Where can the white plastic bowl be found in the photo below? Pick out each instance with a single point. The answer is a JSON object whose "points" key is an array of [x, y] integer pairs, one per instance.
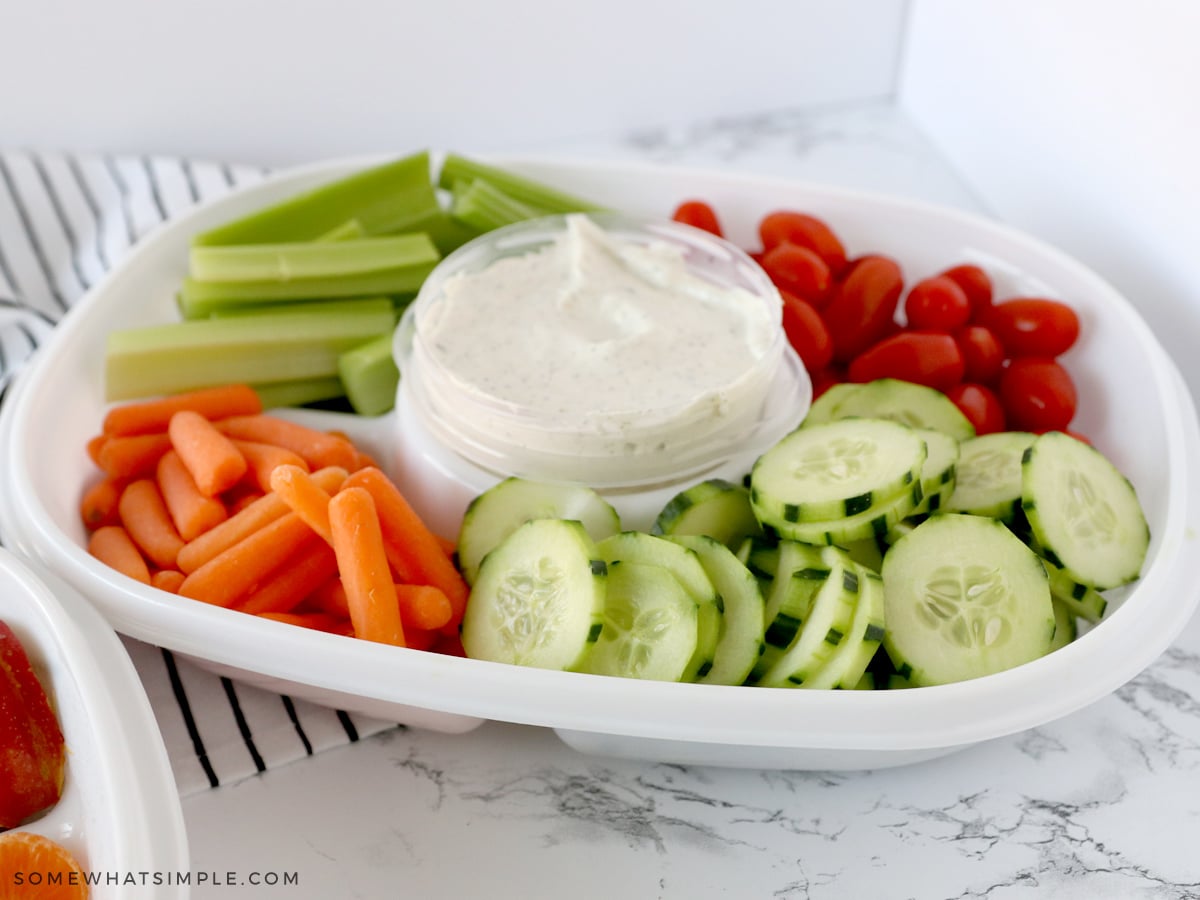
{"points": [[1133, 406], [119, 813]]}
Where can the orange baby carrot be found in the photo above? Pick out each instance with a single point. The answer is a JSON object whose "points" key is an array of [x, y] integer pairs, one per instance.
{"points": [[448, 546], [145, 518], [98, 506], [422, 606], [317, 621], [312, 563], [112, 545], [362, 562], [192, 512], [167, 580], [235, 573], [411, 547], [304, 497], [215, 464], [263, 458], [93, 447], [328, 597], [241, 525], [318, 448], [419, 639], [154, 415], [132, 457]]}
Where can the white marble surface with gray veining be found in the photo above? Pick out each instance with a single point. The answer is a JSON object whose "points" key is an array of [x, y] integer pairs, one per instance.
{"points": [[1102, 804]]}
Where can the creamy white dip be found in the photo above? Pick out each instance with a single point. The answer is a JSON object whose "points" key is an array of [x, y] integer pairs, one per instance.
{"points": [[602, 345]]}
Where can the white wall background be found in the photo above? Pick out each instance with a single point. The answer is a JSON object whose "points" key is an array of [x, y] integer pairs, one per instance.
{"points": [[280, 81]]}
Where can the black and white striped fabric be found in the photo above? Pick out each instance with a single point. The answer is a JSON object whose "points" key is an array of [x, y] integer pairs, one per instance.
{"points": [[65, 220]]}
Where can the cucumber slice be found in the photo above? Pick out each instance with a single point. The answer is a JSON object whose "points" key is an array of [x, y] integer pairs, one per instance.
{"points": [[1083, 601], [1065, 628], [964, 598], [910, 404], [835, 470], [988, 479], [875, 524], [1083, 513], [848, 665], [742, 609], [539, 598], [501, 509], [685, 566], [825, 408], [649, 625], [801, 570], [824, 630], [716, 508], [940, 472]]}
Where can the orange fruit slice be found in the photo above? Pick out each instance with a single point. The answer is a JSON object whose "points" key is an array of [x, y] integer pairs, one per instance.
{"points": [[33, 867]]}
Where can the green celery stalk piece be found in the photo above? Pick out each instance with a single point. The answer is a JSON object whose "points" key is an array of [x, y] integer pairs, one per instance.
{"points": [[394, 197], [525, 190], [370, 376], [448, 233], [252, 349], [311, 259], [344, 305], [299, 391], [347, 231], [198, 299], [484, 206]]}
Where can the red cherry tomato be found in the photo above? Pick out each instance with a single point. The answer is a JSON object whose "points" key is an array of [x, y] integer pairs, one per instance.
{"points": [[936, 304], [799, 271], [805, 230], [1038, 395], [806, 332], [980, 405], [1032, 326], [862, 308], [698, 214], [918, 356], [824, 379], [975, 284], [982, 353]]}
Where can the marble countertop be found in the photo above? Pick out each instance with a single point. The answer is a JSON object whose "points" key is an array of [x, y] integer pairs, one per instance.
{"points": [[1102, 804]]}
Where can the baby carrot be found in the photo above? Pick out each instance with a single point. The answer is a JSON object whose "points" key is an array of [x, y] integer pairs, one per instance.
{"points": [[234, 573], [146, 520], [112, 545], [423, 607], [304, 497], [132, 457], [312, 563], [98, 506], [241, 525], [412, 548], [154, 415], [167, 580], [192, 512], [315, 620], [215, 464], [328, 597], [93, 447], [318, 448], [362, 562], [263, 458]]}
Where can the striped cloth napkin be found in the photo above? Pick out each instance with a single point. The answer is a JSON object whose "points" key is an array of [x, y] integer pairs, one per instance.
{"points": [[65, 220]]}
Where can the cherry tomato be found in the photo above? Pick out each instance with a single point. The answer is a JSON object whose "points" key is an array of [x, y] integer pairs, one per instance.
{"points": [[862, 308], [805, 230], [980, 405], [937, 304], [1038, 394], [975, 284], [698, 214], [922, 357], [799, 271], [806, 332], [982, 353], [1032, 326], [824, 379]]}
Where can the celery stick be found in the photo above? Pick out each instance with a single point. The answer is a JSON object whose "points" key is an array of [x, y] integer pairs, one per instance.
{"points": [[299, 391], [526, 190], [312, 259], [482, 205], [343, 305], [348, 230], [448, 234], [397, 196], [370, 376], [258, 349]]}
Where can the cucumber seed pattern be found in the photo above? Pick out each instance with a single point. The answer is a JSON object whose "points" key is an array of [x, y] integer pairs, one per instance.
{"points": [[988, 469], [837, 462], [1092, 521], [638, 630], [529, 606], [965, 603]]}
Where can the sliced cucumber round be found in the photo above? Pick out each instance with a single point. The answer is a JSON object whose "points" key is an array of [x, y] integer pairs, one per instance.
{"points": [[940, 472], [649, 625], [1065, 627], [848, 665], [964, 598], [825, 408], [1083, 601], [717, 508], [538, 599], [501, 509], [988, 475], [875, 523], [1084, 515], [914, 405]]}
